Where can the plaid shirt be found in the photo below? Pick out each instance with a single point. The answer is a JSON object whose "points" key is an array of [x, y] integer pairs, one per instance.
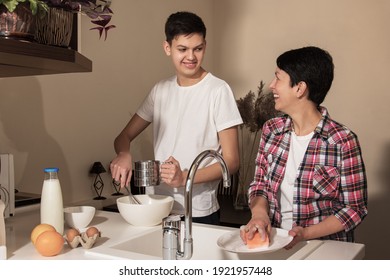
{"points": [[331, 179]]}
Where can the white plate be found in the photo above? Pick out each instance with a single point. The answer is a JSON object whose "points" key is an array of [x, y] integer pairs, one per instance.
{"points": [[232, 242]]}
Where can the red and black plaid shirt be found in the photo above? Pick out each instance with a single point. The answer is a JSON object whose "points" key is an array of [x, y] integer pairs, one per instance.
{"points": [[331, 179]]}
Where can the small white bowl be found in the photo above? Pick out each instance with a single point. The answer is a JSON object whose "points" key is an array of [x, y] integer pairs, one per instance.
{"points": [[150, 212], [79, 216]]}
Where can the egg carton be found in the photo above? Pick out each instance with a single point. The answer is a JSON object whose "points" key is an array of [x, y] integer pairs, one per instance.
{"points": [[84, 240]]}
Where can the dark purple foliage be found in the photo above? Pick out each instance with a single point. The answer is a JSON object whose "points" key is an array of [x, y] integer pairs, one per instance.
{"points": [[100, 15]]}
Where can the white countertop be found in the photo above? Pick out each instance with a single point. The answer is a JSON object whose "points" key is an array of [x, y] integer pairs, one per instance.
{"points": [[115, 230]]}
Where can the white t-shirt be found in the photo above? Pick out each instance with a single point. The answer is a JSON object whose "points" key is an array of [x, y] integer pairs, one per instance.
{"points": [[186, 122], [298, 147]]}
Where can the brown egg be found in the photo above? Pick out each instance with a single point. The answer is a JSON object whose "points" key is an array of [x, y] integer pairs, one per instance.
{"points": [[49, 243], [92, 231], [71, 234]]}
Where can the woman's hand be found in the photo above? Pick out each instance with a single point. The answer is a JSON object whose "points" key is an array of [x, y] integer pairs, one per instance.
{"points": [[260, 223], [121, 168], [171, 173], [298, 234]]}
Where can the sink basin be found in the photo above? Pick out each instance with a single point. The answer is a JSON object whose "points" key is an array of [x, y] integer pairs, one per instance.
{"points": [[148, 246]]}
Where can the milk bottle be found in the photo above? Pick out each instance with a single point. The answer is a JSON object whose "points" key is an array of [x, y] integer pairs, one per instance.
{"points": [[52, 209]]}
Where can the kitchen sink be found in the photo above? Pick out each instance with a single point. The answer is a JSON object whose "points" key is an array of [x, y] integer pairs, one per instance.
{"points": [[148, 245]]}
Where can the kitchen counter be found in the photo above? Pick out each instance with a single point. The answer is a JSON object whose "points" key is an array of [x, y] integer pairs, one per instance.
{"points": [[115, 235]]}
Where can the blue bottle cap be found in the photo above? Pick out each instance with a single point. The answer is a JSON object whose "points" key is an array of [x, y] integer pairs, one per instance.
{"points": [[51, 169]]}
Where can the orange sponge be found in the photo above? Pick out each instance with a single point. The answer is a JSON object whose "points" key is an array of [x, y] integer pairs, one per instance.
{"points": [[256, 241]]}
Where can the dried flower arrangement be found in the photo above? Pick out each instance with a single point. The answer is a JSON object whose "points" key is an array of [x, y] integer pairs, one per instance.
{"points": [[255, 110]]}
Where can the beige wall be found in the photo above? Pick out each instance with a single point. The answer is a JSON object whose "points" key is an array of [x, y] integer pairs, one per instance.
{"points": [[71, 120]]}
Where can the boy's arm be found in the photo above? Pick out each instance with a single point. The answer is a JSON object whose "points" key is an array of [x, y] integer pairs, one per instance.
{"points": [[121, 166], [229, 143]]}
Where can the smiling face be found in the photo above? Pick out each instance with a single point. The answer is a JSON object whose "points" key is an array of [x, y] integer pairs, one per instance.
{"points": [[285, 95], [187, 52]]}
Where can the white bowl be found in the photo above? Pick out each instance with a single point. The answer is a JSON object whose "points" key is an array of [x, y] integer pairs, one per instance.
{"points": [[79, 216], [150, 212]]}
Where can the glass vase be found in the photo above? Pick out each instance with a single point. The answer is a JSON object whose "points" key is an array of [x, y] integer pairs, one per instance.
{"points": [[241, 195]]}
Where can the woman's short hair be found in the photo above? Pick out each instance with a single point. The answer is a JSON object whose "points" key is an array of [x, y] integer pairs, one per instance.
{"points": [[312, 65]]}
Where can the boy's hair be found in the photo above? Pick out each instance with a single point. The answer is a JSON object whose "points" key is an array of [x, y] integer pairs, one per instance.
{"points": [[183, 23], [312, 65]]}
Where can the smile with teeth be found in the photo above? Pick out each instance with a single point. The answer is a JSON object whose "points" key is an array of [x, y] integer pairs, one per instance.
{"points": [[190, 64]]}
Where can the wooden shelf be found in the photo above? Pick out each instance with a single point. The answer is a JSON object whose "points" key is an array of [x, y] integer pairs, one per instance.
{"points": [[19, 58]]}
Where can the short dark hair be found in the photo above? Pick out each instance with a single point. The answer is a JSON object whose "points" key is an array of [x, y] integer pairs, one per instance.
{"points": [[312, 65], [183, 23]]}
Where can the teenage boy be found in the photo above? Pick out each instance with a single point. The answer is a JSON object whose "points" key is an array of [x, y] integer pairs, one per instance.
{"points": [[191, 112]]}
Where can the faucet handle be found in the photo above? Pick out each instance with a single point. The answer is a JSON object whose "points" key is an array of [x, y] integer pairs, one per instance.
{"points": [[171, 222]]}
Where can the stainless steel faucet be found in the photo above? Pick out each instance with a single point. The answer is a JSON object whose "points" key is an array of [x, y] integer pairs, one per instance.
{"points": [[171, 224]]}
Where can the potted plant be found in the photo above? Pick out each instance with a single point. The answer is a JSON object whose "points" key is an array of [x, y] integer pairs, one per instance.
{"points": [[35, 6], [24, 13], [17, 17], [97, 10]]}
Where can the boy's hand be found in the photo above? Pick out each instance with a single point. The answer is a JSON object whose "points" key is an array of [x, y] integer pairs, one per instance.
{"points": [[171, 173], [121, 169]]}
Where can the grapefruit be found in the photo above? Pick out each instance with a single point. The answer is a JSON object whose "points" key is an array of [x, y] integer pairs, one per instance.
{"points": [[49, 243], [40, 229]]}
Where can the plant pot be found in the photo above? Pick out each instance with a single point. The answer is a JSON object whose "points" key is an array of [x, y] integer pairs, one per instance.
{"points": [[20, 24], [55, 28]]}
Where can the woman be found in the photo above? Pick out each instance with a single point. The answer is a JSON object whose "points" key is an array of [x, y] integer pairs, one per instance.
{"points": [[310, 177]]}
